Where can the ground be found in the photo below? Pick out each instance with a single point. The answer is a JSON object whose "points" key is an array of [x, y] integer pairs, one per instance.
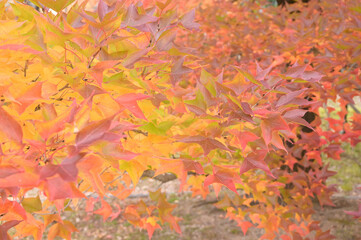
{"points": [[202, 220]]}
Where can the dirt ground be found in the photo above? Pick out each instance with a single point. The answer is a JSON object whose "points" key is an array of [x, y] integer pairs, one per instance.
{"points": [[202, 220]]}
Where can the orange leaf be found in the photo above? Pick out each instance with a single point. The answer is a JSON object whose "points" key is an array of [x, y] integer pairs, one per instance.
{"points": [[63, 230], [105, 211], [244, 226], [99, 68]]}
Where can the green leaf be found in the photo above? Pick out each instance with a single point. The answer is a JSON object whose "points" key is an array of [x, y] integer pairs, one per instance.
{"points": [[208, 81], [198, 101], [157, 129]]}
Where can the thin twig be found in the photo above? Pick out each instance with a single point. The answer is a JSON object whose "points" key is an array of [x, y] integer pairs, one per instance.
{"points": [[26, 67], [94, 55]]}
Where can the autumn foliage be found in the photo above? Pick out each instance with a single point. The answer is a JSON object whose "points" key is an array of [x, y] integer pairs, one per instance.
{"points": [[225, 96]]}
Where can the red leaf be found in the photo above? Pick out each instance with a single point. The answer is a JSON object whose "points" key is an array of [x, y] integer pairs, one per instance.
{"points": [[255, 160], [295, 116], [299, 72], [223, 177], [247, 108], [105, 211], [90, 90], [5, 227], [92, 132], [67, 169], [287, 98], [114, 215], [10, 126], [285, 237], [208, 144], [6, 171], [312, 76], [60, 189], [296, 71]]}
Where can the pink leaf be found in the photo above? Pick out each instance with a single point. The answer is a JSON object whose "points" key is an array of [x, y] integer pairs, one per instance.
{"points": [[10, 126], [6, 171], [92, 132], [134, 19], [356, 214], [129, 101], [165, 42], [287, 98], [178, 70], [129, 61], [102, 9], [188, 20]]}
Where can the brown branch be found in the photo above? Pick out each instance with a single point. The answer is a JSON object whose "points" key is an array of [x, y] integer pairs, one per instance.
{"points": [[165, 177], [139, 131], [26, 67], [66, 86]]}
